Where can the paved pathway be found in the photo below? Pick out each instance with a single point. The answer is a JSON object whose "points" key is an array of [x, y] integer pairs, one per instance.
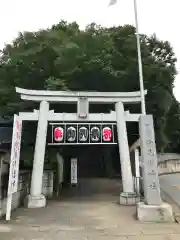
{"points": [[170, 184], [86, 216]]}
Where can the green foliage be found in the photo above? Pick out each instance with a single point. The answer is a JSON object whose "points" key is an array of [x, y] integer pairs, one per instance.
{"points": [[97, 59], [172, 128]]}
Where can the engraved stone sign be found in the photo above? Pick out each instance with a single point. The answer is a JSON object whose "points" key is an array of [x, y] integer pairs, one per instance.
{"points": [[149, 159]]}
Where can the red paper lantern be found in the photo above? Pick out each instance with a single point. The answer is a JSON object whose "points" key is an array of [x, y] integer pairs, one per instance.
{"points": [[58, 134], [107, 134]]}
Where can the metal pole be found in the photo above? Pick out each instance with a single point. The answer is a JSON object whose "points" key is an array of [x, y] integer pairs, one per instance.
{"points": [[141, 81]]}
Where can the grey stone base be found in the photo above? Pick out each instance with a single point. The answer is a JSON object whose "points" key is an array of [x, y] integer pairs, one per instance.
{"points": [[35, 201], [128, 198], [155, 213]]}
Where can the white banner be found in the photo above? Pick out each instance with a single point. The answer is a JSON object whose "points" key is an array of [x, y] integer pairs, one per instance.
{"points": [[15, 155], [73, 170], [14, 162]]}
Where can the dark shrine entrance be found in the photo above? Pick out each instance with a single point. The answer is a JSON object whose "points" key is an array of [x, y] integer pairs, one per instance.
{"points": [[98, 173], [93, 161]]}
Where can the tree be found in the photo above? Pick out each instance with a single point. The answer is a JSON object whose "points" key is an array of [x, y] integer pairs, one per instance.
{"points": [[97, 59], [172, 127]]}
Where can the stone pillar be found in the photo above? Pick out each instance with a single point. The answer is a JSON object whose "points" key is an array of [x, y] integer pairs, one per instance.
{"points": [[137, 170], [152, 209], [36, 199], [149, 156], [127, 179]]}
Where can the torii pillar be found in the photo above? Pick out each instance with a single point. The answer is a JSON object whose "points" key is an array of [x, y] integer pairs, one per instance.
{"points": [[36, 199], [128, 196]]}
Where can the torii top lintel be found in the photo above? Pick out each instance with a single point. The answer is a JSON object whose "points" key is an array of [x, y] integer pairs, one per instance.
{"points": [[73, 96]]}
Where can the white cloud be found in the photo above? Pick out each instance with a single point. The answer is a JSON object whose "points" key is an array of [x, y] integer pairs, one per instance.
{"points": [[155, 16]]}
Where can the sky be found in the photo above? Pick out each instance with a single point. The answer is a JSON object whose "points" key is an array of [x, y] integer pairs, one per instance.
{"points": [[155, 16]]}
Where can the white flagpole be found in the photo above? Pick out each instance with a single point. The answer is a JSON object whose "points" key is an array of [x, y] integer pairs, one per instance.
{"points": [[141, 80]]}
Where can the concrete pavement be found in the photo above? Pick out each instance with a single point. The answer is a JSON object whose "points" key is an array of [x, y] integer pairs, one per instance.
{"points": [[80, 220], [170, 188], [88, 212]]}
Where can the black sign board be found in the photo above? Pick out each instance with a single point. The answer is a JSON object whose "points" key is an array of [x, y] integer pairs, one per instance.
{"points": [[83, 133]]}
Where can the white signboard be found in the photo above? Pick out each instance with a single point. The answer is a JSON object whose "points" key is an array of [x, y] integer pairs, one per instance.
{"points": [[14, 162], [73, 170]]}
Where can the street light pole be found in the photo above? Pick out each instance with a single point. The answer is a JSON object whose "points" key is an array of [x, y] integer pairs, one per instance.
{"points": [[141, 81]]}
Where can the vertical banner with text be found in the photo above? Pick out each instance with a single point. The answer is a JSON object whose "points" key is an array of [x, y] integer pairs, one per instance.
{"points": [[73, 171], [14, 163]]}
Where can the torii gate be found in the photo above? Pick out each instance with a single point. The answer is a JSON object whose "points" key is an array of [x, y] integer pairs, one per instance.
{"points": [[83, 99]]}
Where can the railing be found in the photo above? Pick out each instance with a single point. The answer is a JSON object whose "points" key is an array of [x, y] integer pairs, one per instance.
{"points": [[23, 189], [136, 198], [168, 163], [138, 185], [17, 197], [138, 180]]}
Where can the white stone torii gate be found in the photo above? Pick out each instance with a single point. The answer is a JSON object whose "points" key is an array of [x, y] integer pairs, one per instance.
{"points": [[43, 115]]}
